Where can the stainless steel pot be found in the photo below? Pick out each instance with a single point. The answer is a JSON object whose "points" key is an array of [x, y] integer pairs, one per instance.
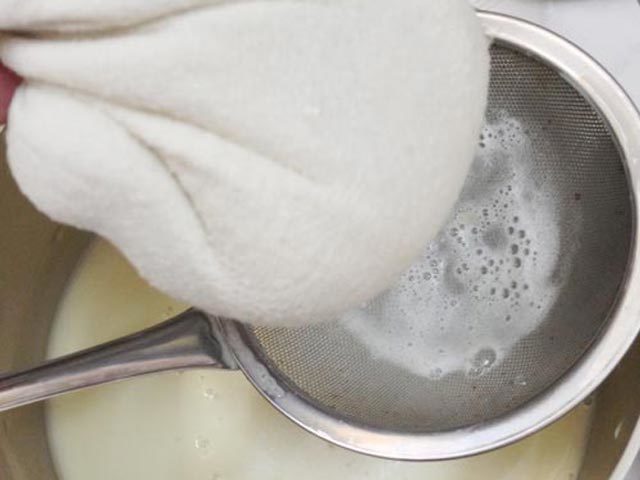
{"points": [[36, 258]]}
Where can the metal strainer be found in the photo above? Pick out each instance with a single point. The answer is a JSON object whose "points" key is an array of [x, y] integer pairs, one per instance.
{"points": [[547, 224]]}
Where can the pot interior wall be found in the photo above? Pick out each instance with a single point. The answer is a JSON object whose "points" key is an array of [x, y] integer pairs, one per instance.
{"points": [[36, 258]]}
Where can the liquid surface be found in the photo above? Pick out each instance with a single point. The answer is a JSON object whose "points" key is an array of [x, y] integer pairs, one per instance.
{"points": [[212, 425], [485, 282]]}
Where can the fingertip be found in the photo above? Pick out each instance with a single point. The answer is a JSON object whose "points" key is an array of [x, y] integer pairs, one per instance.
{"points": [[9, 82]]}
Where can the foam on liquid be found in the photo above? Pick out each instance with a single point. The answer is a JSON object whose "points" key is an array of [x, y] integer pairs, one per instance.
{"points": [[212, 425], [485, 282]]}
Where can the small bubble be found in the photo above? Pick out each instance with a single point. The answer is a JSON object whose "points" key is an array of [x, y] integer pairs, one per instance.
{"points": [[525, 286], [474, 230], [484, 270], [526, 252], [479, 251], [210, 393], [482, 361], [517, 262], [492, 263], [520, 381], [514, 249], [514, 285], [202, 443], [427, 276], [506, 293], [508, 318], [511, 230], [516, 219], [522, 234], [493, 291]]}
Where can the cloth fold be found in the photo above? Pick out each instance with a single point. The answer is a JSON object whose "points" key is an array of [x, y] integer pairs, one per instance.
{"points": [[273, 161]]}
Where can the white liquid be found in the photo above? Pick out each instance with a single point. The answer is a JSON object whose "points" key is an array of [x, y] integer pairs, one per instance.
{"points": [[485, 282], [212, 425]]}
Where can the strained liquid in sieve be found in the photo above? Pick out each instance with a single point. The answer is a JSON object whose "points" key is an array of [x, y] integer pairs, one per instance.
{"points": [[521, 306], [508, 297]]}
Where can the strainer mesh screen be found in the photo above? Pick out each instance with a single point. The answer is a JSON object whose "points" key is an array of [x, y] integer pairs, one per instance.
{"points": [[574, 168]]}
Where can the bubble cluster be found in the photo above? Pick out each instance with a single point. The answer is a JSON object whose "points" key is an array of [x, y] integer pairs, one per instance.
{"points": [[204, 446], [210, 394], [485, 282]]}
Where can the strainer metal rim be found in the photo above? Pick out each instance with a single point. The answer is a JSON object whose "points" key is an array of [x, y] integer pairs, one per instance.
{"points": [[608, 98]]}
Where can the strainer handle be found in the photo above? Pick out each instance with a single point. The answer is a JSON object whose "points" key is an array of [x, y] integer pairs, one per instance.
{"points": [[185, 341]]}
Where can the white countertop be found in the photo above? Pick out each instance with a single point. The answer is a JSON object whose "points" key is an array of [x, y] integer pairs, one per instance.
{"points": [[609, 30]]}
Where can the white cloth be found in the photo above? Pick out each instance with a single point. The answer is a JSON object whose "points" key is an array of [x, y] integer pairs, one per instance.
{"points": [[274, 161]]}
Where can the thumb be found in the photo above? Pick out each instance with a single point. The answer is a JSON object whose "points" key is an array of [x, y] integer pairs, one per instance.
{"points": [[9, 82]]}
